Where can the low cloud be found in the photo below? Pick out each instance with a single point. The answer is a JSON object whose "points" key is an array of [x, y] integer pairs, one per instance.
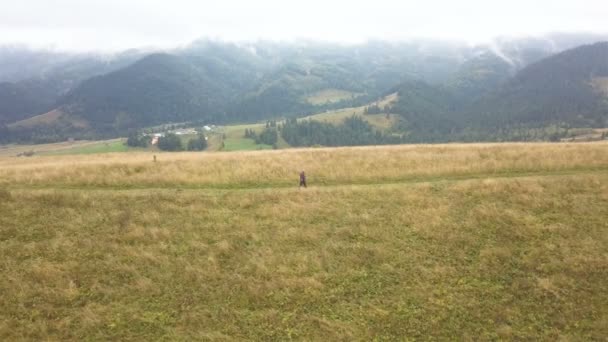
{"points": [[117, 24]]}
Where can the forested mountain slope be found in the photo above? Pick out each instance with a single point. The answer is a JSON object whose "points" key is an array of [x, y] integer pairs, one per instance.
{"points": [[447, 91], [559, 89]]}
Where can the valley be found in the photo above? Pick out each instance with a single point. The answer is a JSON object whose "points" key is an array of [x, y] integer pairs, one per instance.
{"points": [[439, 93], [320, 171]]}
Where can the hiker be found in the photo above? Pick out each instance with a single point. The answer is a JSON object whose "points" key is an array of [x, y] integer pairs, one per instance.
{"points": [[302, 179]]}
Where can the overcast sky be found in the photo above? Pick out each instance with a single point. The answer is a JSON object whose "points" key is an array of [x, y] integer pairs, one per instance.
{"points": [[112, 25]]}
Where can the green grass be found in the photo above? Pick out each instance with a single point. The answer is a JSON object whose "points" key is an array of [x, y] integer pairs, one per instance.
{"points": [[243, 144], [235, 140], [238, 131], [96, 148]]}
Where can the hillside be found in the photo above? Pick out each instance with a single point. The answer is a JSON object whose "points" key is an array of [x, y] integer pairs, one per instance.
{"points": [[22, 100], [477, 77], [441, 242], [226, 83], [367, 71], [482, 102], [36, 80], [423, 107], [447, 92], [555, 90], [157, 89]]}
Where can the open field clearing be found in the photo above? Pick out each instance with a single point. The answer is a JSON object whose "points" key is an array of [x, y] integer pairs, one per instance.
{"points": [[243, 144], [330, 96], [75, 147], [480, 242], [587, 134], [117, 145], [325, 166], [234, 134], [380, 121]]}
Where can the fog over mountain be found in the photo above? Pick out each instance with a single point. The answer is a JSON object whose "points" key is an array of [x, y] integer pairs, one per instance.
{"points": [[454, 71], [115, 25], [441, 86], [323, 170]]}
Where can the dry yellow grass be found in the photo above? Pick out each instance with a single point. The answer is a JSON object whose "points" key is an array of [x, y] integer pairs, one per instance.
{"points": [[491, 259], [380, 121], [430, 242], [331, 166]]}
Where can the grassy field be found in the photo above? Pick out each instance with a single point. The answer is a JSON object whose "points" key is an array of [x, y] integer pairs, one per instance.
{"points": [[234, 139], [243, 144], [475, 242], [117, 145], [380, 121], [75, 147], [233, 136], [330, 96]]}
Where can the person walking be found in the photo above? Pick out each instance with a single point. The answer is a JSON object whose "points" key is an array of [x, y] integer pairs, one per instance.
{"points": [[302, 179]]}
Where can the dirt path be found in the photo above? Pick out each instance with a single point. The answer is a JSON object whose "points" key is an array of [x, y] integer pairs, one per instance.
{"points": [[316, 184]]}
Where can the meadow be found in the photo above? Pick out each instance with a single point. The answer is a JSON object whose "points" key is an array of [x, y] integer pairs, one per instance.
{"points": [[458, 241], [330, 95], [67, 147], [111, 146], [243, 144], [382, 121]]}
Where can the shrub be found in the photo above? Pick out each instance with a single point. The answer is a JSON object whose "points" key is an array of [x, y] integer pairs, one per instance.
{"points": [[197, 144], [137, 140], [170, 142]]}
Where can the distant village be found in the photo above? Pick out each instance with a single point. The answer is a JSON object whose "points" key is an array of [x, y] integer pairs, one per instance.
{"points": [[180, 131]]}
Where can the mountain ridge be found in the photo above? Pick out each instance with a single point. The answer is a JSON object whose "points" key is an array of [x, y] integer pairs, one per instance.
{"points": [[224, 83]]}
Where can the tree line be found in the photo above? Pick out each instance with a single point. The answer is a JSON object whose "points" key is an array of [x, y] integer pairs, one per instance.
{"points": [[268, 136], [169, 142], [353, 131]]}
